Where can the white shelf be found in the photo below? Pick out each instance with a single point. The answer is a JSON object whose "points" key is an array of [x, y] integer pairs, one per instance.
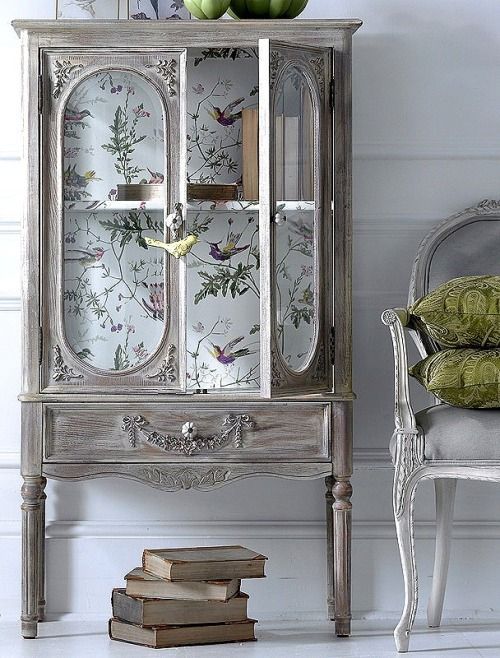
{"points": [[112, 206]]}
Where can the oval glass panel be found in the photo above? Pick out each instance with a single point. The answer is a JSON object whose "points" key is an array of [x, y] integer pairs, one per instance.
{"points": [[113, 198], [295, 192]]}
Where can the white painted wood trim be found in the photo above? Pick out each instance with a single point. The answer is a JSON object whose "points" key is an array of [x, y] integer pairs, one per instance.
{"points": [[213, 531]]}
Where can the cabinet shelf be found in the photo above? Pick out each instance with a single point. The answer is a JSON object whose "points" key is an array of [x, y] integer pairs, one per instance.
{"points": [[100, 205], [250, 206]]}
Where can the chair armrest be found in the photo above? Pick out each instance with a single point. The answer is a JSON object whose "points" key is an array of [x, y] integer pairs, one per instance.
{"points": [[396, 319]]}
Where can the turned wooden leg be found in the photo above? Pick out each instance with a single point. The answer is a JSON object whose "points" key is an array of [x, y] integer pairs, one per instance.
{"points": [[31, 493], [405, 534], [445, 499], [329, 547], [342, 521], [41, 552]]}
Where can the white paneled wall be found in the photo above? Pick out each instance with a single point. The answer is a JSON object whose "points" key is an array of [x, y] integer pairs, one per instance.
{"points": [[426, 144]]}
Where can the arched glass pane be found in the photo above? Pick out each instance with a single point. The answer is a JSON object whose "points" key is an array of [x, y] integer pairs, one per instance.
{"points": [[295, 257], [114, 292]]}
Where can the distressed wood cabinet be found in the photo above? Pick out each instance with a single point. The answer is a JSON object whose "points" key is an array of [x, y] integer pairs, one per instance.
{"points": [[176, 331]]}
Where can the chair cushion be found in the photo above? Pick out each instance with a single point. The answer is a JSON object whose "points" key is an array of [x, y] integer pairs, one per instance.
{"points": [[463, 312], [462, 377], [459, 434]]}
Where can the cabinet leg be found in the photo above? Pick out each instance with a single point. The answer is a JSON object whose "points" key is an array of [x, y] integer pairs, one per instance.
{"points": [[31, 493], [329, 548], [342, 521], [41, 552]]}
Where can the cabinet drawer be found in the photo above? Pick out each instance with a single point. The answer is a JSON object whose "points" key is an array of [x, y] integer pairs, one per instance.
{"points": [[167, 432]]}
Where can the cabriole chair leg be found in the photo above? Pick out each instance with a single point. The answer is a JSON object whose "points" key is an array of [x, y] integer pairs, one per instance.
{"points": [[405, 530]]}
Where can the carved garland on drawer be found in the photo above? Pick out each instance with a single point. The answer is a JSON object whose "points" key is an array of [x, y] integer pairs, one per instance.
{"points": [[189, 443]]}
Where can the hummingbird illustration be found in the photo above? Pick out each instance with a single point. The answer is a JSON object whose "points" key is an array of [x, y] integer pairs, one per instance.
{"points": [[177, 249], [86, 258], [228, 250], [73, 115], [226, 117], [156, 303], [156, 177], [225, 355]]}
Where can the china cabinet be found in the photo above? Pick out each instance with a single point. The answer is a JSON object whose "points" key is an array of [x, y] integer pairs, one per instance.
{"points": [[187, 342]]}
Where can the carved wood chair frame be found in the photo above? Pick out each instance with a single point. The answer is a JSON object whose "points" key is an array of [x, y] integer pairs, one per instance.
{"points": [[411, 466]]}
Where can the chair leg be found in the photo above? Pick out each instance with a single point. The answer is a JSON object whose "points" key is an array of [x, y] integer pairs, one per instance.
{"points": [[405, 534], [445, 499]]}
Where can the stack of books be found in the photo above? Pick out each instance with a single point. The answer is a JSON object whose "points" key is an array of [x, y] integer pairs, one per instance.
{"points": [[185, 596]]}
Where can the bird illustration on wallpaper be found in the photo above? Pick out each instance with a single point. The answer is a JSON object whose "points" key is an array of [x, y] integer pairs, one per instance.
{"points": [[75, 118], [229, 250], [85, 258], [144, 10], [225, 355], [226, 117], [87, 9]]}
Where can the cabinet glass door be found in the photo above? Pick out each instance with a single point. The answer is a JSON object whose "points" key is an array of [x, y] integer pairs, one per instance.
{"points": [[223, 266], [113, 190], [296, 143]]}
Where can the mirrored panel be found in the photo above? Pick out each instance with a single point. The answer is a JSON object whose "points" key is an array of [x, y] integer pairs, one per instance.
{"points": [[115, 301], [295, 194]]}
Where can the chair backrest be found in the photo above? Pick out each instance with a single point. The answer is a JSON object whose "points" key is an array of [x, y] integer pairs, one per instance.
{"points": [[465, 244]]}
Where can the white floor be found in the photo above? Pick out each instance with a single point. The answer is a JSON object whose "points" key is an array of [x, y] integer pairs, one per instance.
{"points": [[60, 639]]}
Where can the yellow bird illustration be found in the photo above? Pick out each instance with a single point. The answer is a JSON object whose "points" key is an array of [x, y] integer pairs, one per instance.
{"points": [[177, 249]]}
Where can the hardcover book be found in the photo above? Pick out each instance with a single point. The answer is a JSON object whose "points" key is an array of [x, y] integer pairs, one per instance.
{"points": [[206, 563], [140, 583], [161, 637], [250, 153], [177, 612]]}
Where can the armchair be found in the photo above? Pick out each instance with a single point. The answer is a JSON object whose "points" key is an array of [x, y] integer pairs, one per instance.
{"points": [[441, 443]]}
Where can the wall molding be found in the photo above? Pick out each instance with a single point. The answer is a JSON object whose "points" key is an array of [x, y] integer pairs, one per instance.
{"points": [[214, 531], [10, 155], [438, 150], [10, 304], [8, 227]]}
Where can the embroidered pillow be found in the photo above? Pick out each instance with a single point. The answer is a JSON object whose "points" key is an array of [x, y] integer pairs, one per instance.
{"points": [[462, 377], [463, 312]]}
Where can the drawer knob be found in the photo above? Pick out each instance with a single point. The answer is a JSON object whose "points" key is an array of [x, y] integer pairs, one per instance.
{"points": [[189, 443], [189, 430]]}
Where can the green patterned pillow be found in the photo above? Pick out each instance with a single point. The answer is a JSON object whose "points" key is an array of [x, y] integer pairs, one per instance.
{"points": [[462, 377], [463, 312]]}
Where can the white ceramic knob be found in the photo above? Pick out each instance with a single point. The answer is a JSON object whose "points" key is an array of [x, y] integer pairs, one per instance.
{"points": [[189, 430]]}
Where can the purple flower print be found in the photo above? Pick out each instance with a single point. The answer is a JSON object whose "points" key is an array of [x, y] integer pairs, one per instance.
{"points": [[116, 327]]}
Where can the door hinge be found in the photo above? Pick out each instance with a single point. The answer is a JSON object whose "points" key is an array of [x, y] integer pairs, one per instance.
{"points": [[40, 94], [40, 345], [332, 346], [332, 93]]}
